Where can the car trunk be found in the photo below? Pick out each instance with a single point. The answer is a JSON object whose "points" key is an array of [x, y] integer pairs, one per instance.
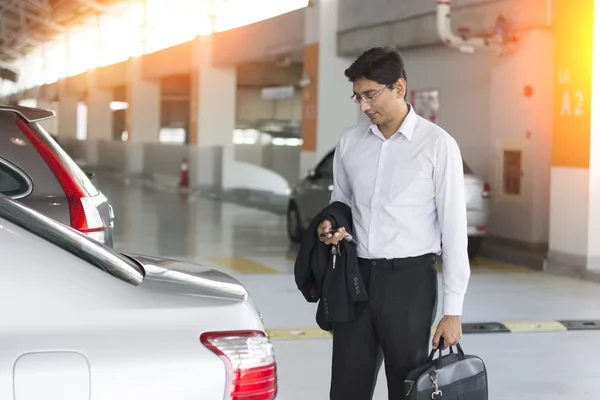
{"points": [[474, 188]]}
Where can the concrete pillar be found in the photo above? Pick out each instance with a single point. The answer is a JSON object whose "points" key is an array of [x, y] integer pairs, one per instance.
{"points": [[99, 120], [521, 135], [574, 246], [99, 117], [213, 98], [67, 112], [143, 97], [212, 118], [326, 106], [142, 118], [575, 174]]}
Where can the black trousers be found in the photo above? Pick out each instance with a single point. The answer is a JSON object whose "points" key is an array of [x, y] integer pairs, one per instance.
{"points": [[393, 325]]}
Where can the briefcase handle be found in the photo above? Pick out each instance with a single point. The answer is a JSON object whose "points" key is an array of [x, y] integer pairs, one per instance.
{"points": [[440, 364]]}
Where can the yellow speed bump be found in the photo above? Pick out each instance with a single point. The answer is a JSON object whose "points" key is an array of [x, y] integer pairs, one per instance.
{"points": [[534, 326], [298, 333]]}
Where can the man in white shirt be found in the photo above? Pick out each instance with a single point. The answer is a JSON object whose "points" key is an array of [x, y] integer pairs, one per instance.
{"points": [[403, 178]]}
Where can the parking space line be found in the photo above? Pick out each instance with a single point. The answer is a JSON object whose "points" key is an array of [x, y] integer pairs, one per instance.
{"points": [[244, 265], [498, 266], [298, 333], [469, 328]]}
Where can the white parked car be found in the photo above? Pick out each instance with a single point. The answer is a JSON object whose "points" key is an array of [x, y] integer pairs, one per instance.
{"points": [[309, 196], [81, 321]]}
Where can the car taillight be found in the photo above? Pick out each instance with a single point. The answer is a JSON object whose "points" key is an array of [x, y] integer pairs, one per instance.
{"points": [[487, 191], [84, 214], [250, 363]]}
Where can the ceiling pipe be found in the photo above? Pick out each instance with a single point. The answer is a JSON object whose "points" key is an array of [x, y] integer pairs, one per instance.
{"points": [[463, 43]]}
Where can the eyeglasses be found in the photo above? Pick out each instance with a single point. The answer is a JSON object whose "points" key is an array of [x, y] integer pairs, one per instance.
{"points": [[369, 99]]}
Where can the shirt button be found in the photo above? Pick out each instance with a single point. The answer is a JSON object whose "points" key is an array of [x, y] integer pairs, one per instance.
{"points": [[381, 166], [377, 189], [385, 144]]}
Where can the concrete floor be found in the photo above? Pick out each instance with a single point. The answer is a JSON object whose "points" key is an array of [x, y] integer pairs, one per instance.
{"points": [[252, 245]]}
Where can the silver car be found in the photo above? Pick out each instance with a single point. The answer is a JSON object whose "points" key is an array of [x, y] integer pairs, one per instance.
{"points": [[313, 193], [36, 171], [80, 321]]}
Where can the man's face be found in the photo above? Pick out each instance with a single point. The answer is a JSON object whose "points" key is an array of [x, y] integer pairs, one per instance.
{"points": [[381, 103]]}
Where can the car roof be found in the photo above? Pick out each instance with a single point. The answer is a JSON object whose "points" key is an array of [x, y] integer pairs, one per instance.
{"points": [[29, 113]]}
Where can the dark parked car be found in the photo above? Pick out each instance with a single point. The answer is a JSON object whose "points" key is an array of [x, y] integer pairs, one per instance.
{"points": [[312, 194], [36, 171]]}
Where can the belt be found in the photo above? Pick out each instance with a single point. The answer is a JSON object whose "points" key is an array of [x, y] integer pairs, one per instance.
{"points": [[398, 262]]}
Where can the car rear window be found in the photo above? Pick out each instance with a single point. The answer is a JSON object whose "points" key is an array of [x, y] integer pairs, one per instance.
{"points": [[12, 182], [466, 169], [74, 242], [66, 160], [325, 168]]}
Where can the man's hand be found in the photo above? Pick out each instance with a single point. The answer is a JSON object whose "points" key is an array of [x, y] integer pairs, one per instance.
{"points": [[325, 226], [450, 328]]}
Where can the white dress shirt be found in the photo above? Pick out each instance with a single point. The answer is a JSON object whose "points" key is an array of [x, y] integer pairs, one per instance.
{"points": [[407, 195]]}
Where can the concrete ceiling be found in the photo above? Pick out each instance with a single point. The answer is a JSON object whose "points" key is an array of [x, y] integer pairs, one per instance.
{"points": [[27, 24]]}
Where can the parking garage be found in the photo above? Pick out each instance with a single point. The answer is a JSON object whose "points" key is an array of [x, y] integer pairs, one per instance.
{"points": [[207, 128]]}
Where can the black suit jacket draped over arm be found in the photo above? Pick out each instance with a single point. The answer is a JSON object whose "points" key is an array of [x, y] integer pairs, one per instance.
{"points": [[335, 289]]}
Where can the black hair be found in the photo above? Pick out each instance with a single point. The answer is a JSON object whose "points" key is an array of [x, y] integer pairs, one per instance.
{"points": [[383, 65]]}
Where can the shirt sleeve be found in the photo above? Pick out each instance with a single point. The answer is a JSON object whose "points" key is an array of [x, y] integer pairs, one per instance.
{"points": [[341, 185], [452, 217]]}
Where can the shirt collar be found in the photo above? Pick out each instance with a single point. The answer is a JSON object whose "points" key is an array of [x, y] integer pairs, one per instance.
{"points": [[408, 125]]}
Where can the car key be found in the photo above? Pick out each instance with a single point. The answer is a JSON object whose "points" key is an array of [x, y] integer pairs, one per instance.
{"points": [[334, 252]]}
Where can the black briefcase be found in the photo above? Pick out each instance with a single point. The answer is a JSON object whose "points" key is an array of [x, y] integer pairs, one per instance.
{"points": [[454, 376]]}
